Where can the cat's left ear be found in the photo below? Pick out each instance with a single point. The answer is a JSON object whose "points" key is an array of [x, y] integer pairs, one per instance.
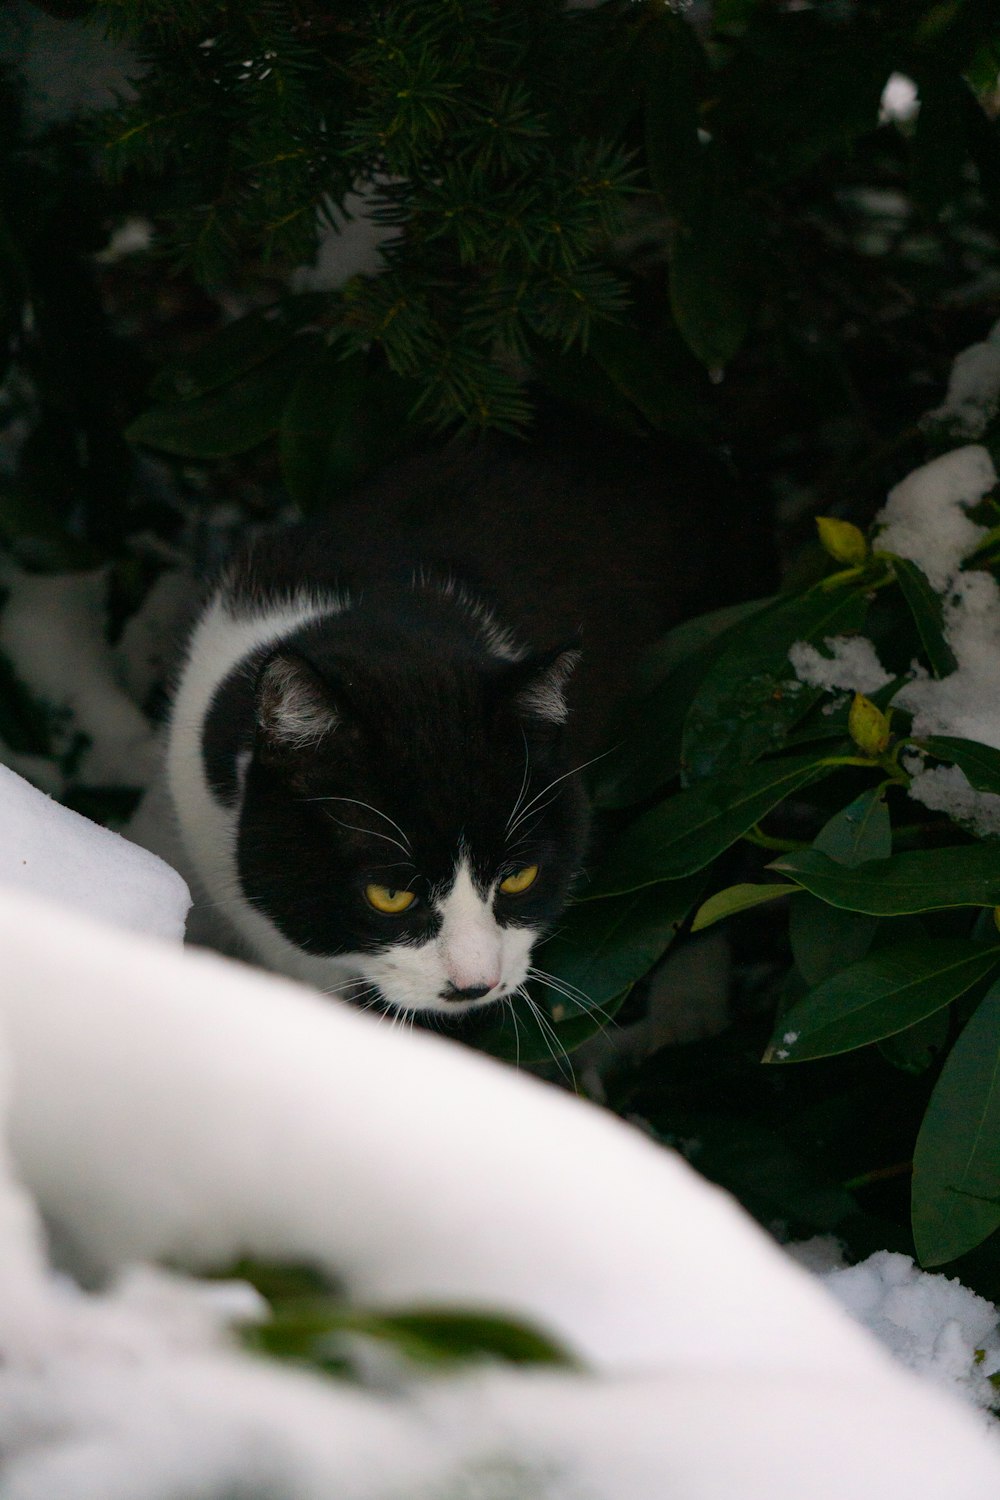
{"points": [[540, 683], [294, 707]]}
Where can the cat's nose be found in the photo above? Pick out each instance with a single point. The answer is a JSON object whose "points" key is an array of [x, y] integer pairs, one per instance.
{"points": [[470, 992]]}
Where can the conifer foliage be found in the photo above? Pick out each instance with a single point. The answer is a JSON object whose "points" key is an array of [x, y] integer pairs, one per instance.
{"points": [[467, 124]]}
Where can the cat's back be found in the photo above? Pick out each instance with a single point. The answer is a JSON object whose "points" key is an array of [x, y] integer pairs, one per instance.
{"points": [[560, 540]]}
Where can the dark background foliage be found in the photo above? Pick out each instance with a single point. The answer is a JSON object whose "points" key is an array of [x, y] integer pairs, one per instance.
{"points": [[690, 226]]}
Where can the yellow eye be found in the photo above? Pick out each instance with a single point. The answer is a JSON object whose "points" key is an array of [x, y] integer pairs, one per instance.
{"points": [[519, 881], [390, 901]]}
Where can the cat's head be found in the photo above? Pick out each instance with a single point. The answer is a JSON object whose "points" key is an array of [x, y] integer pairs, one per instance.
{"points": [[421, 827]]}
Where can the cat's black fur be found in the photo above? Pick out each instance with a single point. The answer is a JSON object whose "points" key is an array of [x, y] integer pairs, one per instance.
{"points": [[435, 703]]}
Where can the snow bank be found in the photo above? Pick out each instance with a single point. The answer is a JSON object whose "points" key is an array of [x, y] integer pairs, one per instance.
{"points": [[51, 851], [932, 1323], [169, 1103], [227, 1112]]}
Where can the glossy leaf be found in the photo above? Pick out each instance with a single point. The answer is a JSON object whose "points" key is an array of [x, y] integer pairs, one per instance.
{"points": [[925, 607], [919, 880], [981, 763], [711, 290], [649, 753], [883, 994], [750, 697], [602, 948], [228, 421], [233, 350], [300, 1328], [690, 637], [917, 1048], [343, 419], [860, 832], [686, 832], [599, 952], [956, 1164], [737, 898], [825, 939]]}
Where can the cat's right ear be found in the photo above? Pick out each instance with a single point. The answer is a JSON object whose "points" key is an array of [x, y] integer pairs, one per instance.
{"points": [[294, 708]]}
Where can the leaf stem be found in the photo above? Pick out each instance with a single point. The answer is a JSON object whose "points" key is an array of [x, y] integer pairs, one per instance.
{"points": [[756, 835]]}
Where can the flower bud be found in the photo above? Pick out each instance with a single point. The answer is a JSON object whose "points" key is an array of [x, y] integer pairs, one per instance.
{"points": [[868, 726], [844, 541]]}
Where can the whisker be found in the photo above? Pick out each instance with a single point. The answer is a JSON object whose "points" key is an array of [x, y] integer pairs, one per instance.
{"points": [[370, 833], [508, 1002], [524, 779], [550, 1036], [573, 995], [376, 810], [528, 805]]}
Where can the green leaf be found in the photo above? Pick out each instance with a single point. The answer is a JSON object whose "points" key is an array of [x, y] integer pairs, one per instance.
{"points": [[689, 639], [231, 420], [914, 1050], [737, 898], [750, 697], [234, 350], [925, 607], [653, 370], [685, 833], [343, 418], [879, 996], [712, 292], [649, 754], [860, 832], [956, 1164], [981, 763], [300, 1328], [601, 949], [919, 880], [825, 939]]}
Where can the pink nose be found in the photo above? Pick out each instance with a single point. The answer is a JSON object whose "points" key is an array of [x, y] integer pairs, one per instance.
{"points": [[459, 992]]}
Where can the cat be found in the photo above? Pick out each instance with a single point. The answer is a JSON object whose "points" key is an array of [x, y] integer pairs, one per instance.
{"points": [[378, 735]]}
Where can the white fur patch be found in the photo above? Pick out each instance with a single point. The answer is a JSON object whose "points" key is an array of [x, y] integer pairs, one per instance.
{"points": [[471, 949], [220, 641], [544, 698]]}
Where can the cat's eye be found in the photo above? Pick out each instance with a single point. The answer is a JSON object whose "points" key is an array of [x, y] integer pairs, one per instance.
{"points": [[519, 881], [386, 899]]}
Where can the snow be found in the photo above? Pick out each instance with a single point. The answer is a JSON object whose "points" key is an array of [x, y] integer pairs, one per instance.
{"points": [[349, 246], [973, 389], [852, 663], [931, 1323], [924, 516], [899, 99], [52, 630], [49, 850], [965, 702], [947, 789], [165, 1103], [925, 520]]}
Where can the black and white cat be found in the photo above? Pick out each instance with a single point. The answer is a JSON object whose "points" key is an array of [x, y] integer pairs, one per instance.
{"points": [[374, 750]]}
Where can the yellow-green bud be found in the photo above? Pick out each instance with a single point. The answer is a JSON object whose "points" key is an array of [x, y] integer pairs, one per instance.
{"points": [[868, 726], [844, 541], [996, 918]]}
